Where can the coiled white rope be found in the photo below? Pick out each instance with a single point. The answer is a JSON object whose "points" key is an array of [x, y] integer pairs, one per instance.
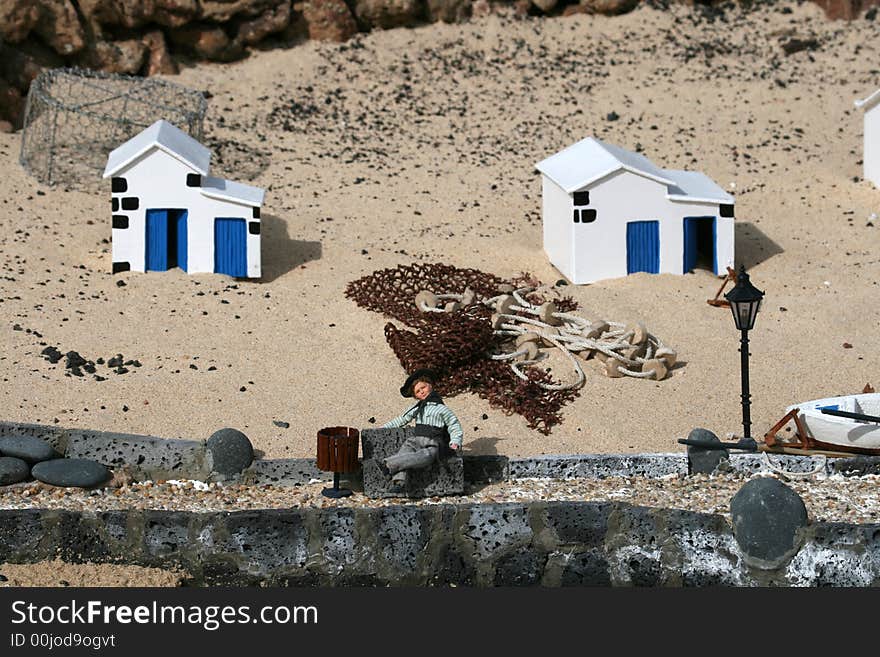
{"points": [[571, 334]]}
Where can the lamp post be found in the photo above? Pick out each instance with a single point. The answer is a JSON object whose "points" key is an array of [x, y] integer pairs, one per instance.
{"points": [[745, 302]]}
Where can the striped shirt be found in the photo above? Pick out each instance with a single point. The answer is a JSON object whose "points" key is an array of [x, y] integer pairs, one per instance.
{"points": [[435, 415]]}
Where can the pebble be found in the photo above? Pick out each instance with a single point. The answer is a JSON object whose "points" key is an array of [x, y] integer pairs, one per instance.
{"points": [[27, 448], [828, 498], [702, 460], [766, 517], [231, 451], [82, 473], [13, 470]]}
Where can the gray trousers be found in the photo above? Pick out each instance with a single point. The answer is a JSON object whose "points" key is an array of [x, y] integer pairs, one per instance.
{"points": [[415, 452]]}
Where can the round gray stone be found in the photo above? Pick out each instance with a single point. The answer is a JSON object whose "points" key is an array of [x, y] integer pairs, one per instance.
{"points": [[13, 470], [701, 460], [767, 515], [81, 473], [231, 451], [27, 448]]}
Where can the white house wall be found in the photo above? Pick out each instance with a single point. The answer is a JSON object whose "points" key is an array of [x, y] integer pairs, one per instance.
{"points": [[600, 246], [600, 249], [557, 213], [724, 233], [158, 180], [871, 155]]}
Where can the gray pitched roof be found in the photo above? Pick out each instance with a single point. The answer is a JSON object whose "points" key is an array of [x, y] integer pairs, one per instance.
{"points": [[227, 190], [695, 186], [590, 159], [869, 102], [166, 137]]}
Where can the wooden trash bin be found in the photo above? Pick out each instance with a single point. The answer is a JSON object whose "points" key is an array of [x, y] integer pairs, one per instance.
{"points": [[338, 453]]}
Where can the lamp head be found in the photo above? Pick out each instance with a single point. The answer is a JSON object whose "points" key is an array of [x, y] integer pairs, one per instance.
{"points": [[745, 301]]}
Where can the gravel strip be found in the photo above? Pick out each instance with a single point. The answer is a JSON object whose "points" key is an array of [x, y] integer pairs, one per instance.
{"points": [[828, 498]]}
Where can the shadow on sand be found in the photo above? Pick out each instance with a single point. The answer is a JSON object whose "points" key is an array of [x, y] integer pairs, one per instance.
{"points": [[484, 446], [280, 254], [751, 246]]}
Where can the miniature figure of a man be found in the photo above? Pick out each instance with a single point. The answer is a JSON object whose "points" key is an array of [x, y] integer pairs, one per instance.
{"points": [[436, 426]]}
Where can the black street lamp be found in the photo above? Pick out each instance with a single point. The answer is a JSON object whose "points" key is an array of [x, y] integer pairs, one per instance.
{"points": [[745, 302]]}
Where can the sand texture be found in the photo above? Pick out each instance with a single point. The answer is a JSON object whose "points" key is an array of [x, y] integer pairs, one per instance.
{"points": [[418, 145], [59, 573]]}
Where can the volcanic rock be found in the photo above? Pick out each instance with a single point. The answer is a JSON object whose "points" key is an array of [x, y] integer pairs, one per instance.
{"points": [[767, 516], [220, 11], [231, 451], [610, 7], [207, 41], [702, 460], [17, 19], [124, 13], [80, 473], [12, 470], [121, 57], [449, 11], [59, 26], [275, 19], [387, 14], [329, 20], [27, 448]]}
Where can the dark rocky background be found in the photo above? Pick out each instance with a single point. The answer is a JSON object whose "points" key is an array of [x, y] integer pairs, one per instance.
{"points": [[149, 37]]}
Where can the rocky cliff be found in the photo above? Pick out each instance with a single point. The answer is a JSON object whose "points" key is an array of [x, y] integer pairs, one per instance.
{"points": [[148, 37]]}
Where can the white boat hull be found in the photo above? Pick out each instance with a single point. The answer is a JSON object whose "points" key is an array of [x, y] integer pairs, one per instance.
{"points": [[839, 432]]}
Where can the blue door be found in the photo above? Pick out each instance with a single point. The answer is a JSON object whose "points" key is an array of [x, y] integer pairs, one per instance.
{"points": [[643, 247], [157, 240], [166, 239], [699, 244], [179, 217], [230, 246]]}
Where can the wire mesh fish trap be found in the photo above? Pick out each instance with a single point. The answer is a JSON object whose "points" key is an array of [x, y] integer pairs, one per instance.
{"points": [[75, 117]]}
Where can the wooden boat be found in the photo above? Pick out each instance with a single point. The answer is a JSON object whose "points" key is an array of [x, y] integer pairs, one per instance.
{"points": [[848, 424]]}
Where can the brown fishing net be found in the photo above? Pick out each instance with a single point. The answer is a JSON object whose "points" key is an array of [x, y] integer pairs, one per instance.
{"points": [[458, 345]]}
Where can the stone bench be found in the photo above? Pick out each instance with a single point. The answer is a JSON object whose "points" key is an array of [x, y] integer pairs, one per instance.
{"points": [[445, 477]]}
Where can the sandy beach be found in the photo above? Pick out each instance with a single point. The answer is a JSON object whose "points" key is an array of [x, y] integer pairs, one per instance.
{"points": [[419, 145]]}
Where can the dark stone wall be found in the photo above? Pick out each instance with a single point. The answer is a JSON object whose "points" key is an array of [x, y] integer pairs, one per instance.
{"points": [[538, 544]]}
